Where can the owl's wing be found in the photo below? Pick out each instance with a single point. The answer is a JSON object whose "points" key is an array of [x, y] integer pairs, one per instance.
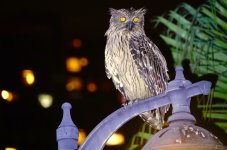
{"points": [[150, 62], [112, 73], [152, 66]]}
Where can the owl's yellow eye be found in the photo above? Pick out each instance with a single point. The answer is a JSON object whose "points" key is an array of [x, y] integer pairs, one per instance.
{"points": [[136, 20], [122, 19]]}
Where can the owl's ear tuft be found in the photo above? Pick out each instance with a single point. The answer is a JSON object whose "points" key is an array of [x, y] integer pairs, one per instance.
{"points": [[141, 11], [112, 11]]}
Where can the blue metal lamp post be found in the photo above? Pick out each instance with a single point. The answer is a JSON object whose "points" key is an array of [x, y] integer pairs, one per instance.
{"points": [[182, 133], [67, 132]]}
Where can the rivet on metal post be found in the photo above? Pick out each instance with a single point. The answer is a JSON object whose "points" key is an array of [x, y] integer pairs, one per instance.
{"points": [[67, 132]]}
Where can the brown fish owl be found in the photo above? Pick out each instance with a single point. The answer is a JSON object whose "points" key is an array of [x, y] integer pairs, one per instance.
{"points": [[135, 64]]}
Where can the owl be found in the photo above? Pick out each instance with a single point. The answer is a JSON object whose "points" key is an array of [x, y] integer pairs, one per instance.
{"points": [[134, 63]]}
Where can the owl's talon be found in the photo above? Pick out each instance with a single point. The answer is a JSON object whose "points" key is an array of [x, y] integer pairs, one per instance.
{"points": [[127, 103]]}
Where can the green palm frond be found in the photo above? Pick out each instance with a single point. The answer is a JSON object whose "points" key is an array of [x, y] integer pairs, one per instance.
{"points": [[141, 137], [200, 35], [217, 111]]}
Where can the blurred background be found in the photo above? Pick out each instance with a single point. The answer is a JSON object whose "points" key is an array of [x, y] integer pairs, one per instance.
{"points": [[53, 52]]}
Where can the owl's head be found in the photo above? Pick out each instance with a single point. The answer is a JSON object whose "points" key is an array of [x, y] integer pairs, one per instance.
{"points": [[128, 20]]}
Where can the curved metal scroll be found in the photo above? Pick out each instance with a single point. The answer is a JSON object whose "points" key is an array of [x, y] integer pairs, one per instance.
{"points": [[100, 134]]}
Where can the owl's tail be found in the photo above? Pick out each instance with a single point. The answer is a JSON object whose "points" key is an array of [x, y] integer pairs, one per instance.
{"points": [[155, 118]]}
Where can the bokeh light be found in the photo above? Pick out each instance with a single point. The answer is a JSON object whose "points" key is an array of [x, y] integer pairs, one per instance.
{"points": [[74, 84], [82, 136], [76, 43], [116, 139], [45, 100], [28, 77], [7, 95], [91, 87], [84, 61], [10, 148], [73, 64]]}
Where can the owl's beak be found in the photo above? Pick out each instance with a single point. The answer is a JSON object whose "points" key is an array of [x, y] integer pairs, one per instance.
{"points": [[129, 25]]}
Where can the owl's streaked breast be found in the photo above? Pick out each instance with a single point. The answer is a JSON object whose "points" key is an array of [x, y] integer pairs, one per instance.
{"points": [[123, 69]]}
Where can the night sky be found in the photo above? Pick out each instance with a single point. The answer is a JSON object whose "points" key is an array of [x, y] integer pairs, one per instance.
{"points": [[38, 35]]}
